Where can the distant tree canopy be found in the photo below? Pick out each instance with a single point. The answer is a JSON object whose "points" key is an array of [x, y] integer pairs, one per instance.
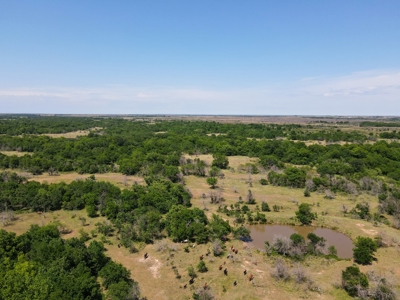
{"points": [[153, 149]]}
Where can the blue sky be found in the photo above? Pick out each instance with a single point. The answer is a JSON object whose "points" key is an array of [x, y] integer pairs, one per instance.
{"points": [[200, 57]]}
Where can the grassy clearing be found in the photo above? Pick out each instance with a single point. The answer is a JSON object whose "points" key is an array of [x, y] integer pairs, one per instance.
{"points": [[72, 134], [117, 179], [17, 153], [69, 219]]}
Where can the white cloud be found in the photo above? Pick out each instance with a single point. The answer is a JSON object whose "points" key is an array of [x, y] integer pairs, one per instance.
{"points": [[360, 93]]}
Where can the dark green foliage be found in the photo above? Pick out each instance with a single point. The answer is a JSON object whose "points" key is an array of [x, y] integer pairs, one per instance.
{"points": [[220, 161], [191, 272], [212, 181], [293, 177], [201, 267], [263, 181], [297, 239], [304, 214], [265, 206], [352, 278], [113, 273], [187, 224], [332, 250], [307, 192], [242, 233], [362, 210], [219, 228], [135, 148], [363, 252], [49, 268], [124, 290]]}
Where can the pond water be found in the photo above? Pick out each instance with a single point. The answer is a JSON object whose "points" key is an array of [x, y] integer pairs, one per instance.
{"points": [[261, 233]]}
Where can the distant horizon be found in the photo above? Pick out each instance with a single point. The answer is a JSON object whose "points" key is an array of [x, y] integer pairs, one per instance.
{"points": [[207, 115]]}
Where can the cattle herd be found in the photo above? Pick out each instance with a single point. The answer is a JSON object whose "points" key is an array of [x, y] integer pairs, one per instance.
{"points": [[225, 270]]}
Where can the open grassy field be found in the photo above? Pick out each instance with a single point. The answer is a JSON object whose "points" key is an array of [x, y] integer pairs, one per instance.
{"points": [[117, 179], [72, 134], [156, 275], [17, 153]]}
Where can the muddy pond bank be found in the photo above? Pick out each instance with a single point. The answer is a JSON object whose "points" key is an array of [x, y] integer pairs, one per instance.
{"points": [[261, 233]]}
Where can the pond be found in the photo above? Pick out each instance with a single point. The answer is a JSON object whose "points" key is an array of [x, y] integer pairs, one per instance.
{"points": [[261, 233]]}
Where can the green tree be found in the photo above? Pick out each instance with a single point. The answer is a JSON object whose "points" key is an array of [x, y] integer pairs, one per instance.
{"points": [[297, 239], [191, 272], [352, 278], [363, 252], [212, 181], [201, 267], [265, 206], [220, 161], [242, 233], [305, 215]]}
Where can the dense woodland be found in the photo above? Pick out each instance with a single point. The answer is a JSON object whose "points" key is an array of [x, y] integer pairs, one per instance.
{"points": [[41, 265]]}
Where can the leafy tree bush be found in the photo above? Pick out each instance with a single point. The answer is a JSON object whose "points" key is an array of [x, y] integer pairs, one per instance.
{"points": [[305, 215], [364, 249], [201, 267], [263, 181], [191, 272], [212, 181], [352, 279], [265, 206], [220, 161], [242, 233], [297, 239]]}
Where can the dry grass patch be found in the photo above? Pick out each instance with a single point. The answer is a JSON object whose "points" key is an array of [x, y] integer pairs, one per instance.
{"points": [[17, 153], [71, 220], [72, 134], [117, 179]]}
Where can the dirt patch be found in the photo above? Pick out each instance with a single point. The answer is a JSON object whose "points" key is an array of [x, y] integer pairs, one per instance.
{"points": [[153, 264], [367, 231]]}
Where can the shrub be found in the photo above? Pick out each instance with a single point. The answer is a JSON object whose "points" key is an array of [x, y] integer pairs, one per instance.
{"points": [[263, 181], [265, 206], [304, 214], [242, 233], [364, 250], [297, 239], [276, 208], [212, 181], [201, 267], [191, 272], [332, 250], [281, 271], [217, 247], [353, 279]]}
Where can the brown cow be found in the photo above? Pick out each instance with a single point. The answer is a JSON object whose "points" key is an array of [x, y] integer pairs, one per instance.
{"points": [[205, 286], [251, 277], [201, 257], [220, 267]]}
